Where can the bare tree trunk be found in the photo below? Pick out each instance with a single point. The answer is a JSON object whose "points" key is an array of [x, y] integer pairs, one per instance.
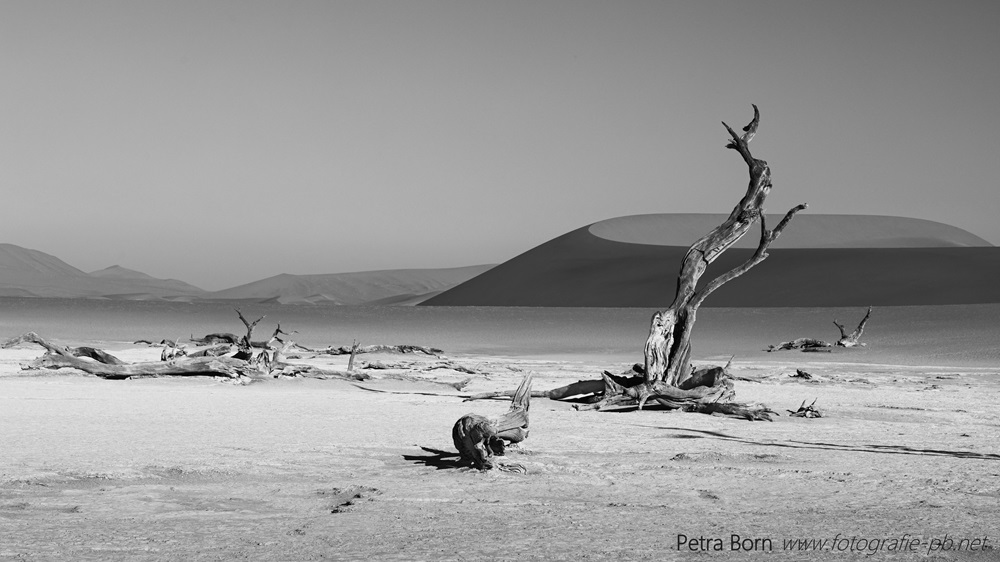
{"points": [[667, 353], [668, 347], [354, 351]]}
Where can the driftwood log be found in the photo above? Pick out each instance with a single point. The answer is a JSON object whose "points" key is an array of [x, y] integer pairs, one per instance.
{"points": [[215, 339], [106, 366], [810, 344], [349, 349], [480, 439]]}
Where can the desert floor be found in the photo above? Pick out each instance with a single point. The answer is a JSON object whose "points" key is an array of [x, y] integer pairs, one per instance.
{"points": [[904, 464]]}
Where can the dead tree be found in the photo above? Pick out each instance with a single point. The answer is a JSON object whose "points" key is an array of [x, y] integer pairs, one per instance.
{"points": [[851, 340], [175, 362], [244, 347], [213, 339], [667, 353], [97, 355], [377, 348], [354, 351], [106, 366], [811, 344]]}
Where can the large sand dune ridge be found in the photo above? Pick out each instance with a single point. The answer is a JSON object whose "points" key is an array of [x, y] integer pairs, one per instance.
{"points": [[926, 263]]}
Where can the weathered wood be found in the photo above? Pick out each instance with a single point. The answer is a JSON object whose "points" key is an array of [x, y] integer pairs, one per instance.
{"points": [[806, 411], [479, 439], [214, 351], [346, 350], [708, 390], [668, 347], [90, 352], [810, 344], [102, 364], [476, 439], [800, 374], [749, 412], [508, 394], [800, 343], [245, 344], [308, 371], [851, 340], [217, 338], [513, 426], [59, 356], [354, 353]]}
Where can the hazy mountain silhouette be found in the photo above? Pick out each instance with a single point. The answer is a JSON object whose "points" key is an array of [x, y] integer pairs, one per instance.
{"points": [[31, 273], [25, 272], [395, 286]]}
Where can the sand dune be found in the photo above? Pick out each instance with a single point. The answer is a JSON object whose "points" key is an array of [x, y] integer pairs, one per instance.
{"points": [[809, 230], [125, 274], [583, 269]]}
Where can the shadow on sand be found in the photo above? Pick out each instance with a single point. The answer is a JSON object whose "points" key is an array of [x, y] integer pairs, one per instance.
{"points": [[860, 448], [441, 460]]}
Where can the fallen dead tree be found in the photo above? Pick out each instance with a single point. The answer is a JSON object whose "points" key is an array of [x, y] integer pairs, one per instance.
{"points": [[175, 361], [349, 349], [214, 339], [413, 366], [667, 378], [709, 390], [106, 366], [809, 344]]}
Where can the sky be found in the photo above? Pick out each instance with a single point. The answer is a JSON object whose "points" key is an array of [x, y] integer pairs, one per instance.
{"points": [[222, 142]]}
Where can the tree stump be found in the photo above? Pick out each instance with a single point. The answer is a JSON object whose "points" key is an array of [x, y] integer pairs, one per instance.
{"points": [[480, 439]]}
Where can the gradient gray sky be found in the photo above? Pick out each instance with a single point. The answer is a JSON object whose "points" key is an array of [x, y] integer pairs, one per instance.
{"points": [[222, 142]]}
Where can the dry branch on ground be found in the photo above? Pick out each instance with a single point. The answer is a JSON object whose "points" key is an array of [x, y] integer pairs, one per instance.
{"points": [[809, 344], [58, 356], [806, 411], [348, 349]]}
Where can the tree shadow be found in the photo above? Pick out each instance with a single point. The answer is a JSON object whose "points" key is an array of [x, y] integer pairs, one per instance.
{"points": [[440, 460], [858, 448]]}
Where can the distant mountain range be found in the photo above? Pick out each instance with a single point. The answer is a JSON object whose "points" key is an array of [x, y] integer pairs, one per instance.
{"points": [[394, 286], [819, 260], [31, 273]]}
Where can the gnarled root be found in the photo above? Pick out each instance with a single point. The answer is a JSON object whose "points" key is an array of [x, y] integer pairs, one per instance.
{"points": [[478, 439]]}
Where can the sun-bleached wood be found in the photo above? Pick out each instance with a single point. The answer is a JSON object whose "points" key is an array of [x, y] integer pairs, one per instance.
{"points": [[667, 351], [666, 376], [811, 344], [480, 439]]}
